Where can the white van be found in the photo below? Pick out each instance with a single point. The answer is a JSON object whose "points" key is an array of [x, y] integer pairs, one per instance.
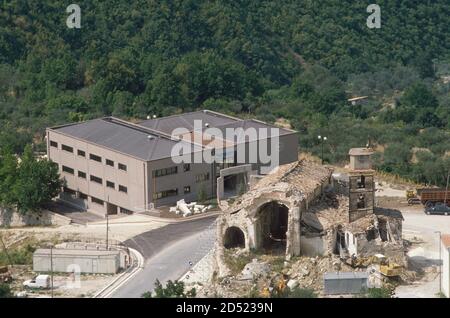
{"points": [[41, 281]]}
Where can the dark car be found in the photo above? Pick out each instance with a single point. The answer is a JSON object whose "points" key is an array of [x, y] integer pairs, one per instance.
{"points": [[438, 208]]}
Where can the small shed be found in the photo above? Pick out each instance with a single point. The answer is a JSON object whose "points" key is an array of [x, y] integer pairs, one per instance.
{"points": [[341, 283], [69, 260]]}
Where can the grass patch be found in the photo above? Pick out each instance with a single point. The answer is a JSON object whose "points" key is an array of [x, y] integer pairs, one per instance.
{"points": [[236, 263], [18, 256]]}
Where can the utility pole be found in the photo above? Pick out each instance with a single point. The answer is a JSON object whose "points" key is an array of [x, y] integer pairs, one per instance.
{"points": [[446, 189], [107, 224], [6, 252], [440, 262], [322, 140], [51, 267]]}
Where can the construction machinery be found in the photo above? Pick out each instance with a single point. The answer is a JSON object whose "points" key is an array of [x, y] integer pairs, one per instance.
{"points": [[428, 196], [383, 265], [411, 197], [391, 269]]}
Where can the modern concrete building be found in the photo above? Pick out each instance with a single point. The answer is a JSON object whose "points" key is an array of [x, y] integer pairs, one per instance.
{"points": [[445, 254], [114, 166], [69, 260]]}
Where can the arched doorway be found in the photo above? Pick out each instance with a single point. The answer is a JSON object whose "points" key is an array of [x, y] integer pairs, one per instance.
{"points": [[234, 237], [273, 225]]}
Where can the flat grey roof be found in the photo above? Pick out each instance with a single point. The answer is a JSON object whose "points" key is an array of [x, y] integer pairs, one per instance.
{"points": [[151, 139], [249, 124], [186, 120], [76, 252], [214, 120], [345, 275], [123, 137], [360, 151]]}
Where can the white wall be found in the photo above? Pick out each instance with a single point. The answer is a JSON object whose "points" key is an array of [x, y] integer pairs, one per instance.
{"points": [[352, 243], [445, 270]]}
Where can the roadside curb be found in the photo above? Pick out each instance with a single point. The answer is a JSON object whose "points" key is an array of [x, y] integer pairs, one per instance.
{"points": [[138, 265], [159, 219]]}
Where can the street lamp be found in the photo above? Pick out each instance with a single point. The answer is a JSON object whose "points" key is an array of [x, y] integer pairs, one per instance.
{"points": [[51, 266], [322, 140], [440, 262]]}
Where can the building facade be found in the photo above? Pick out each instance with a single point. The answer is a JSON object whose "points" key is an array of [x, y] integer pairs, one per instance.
{"points": [[114, 166], [361, 183]]}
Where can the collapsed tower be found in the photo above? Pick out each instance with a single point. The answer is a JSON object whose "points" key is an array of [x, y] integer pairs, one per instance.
{"points": [[361, 184]]}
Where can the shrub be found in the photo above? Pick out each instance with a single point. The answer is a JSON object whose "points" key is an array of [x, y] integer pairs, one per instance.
{"points": [[173, 289]]}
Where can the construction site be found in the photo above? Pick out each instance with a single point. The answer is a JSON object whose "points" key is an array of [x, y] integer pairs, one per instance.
{"points": [[304, 227]]}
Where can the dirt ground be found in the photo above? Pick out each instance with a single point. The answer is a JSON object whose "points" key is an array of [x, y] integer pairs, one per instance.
{"points": [[19, 238]]}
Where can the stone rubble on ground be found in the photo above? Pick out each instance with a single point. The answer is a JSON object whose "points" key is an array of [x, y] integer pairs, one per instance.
{"points": [[188, 209]]}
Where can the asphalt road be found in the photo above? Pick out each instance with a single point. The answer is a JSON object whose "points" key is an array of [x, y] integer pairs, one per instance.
{"points": [[419, 224], [169, 253]]}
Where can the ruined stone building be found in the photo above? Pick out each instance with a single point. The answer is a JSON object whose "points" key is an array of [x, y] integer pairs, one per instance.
{"points": [[268, 216], [361, 184], [302, 210]]}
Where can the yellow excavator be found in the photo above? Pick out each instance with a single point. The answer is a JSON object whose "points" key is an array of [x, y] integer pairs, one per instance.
{"points": [[386, 268], [411, 197]]}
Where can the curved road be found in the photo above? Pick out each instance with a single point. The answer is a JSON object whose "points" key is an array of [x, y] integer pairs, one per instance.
{"points": [[417, 223], [169, 252]]}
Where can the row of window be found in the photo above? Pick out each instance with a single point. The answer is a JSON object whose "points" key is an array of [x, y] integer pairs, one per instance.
{"points": [[202, 177], [95, 179], [170, 193], [93, 157], [171, 170], [95, 200]]}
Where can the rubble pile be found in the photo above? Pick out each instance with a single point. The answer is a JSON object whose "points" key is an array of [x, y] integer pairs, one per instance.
{"points": [[188, 209]]}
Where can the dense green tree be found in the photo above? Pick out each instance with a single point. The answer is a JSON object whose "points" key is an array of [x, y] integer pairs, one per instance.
{"points": [[5, 291], [37, 182], [293, 60], [418, 96]]}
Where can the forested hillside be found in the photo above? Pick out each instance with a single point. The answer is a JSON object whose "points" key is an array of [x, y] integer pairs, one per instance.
{"points": [[296, 61]]}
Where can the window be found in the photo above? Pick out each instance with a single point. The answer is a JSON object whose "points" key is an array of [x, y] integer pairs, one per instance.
{"points": [[361, 203], [81, 174], [53, 144], [95, 157], [67, 148], [82, 196], [187, 189], [165, 194], [186, 167], [109, 162], [68, 170], [202, 177], [165, 172], [125, 211], [122, 167], [361, 182], [70, 191], [96, 179], [123, 189], [81, 153], [97, 201], [110, 184]]}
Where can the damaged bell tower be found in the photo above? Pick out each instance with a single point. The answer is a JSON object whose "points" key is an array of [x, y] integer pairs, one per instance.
{"points": [[361, 184]]}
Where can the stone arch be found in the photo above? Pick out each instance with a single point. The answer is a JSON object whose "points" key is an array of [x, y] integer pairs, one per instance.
{"points": [[272, 222], [234, 237]]}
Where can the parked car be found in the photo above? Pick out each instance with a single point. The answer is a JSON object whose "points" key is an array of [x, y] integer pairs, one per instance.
{"points": [[41, 281], [438, 208]]}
